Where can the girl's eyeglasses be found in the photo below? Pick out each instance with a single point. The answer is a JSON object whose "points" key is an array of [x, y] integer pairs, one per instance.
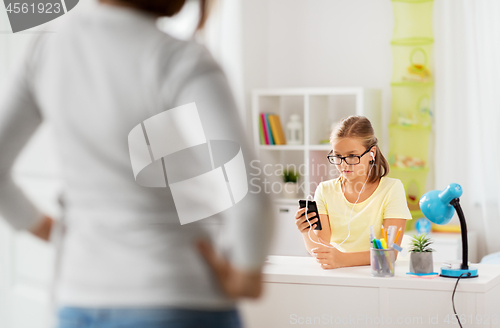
{"points": [[349, 160]]}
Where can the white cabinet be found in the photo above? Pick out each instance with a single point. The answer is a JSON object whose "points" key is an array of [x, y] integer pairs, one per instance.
{"points": [[318, 109], [299, 293], [287, 240]]}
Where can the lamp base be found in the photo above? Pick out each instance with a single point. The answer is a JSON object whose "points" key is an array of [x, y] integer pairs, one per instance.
{"points": [[455, 273]]}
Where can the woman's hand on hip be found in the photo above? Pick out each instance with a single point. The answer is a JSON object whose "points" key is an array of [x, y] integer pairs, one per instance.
{"points": [[43, 228], [301, 222], [234, 283]]}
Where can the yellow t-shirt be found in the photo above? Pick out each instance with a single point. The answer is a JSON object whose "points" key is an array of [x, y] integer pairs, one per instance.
{"points": [[388, 201]]}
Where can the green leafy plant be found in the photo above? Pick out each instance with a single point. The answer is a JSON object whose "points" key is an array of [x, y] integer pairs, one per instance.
{"points": [[290, 176], [421, 243]]}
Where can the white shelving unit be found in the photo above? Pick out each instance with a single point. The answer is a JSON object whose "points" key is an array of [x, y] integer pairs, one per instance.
{"points": [[318, 109]]}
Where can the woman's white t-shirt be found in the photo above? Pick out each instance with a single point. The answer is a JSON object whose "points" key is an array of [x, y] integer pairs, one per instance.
{"points": [[103, 72]]}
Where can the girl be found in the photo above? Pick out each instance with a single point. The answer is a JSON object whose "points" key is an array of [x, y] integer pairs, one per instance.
{"points": [[362, 196]]}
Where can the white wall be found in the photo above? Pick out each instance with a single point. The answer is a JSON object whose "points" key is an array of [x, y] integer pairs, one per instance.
{"points": [[318, 43]]}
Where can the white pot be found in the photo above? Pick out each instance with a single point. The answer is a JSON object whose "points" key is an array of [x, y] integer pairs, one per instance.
{"points": [[291, 190]]}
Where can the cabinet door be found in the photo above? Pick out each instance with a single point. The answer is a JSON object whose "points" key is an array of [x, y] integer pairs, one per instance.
{"points": [[287, 240], [285, 305]]}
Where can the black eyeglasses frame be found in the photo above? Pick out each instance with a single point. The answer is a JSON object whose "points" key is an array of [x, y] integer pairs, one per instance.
{"points": [[330, 158]]}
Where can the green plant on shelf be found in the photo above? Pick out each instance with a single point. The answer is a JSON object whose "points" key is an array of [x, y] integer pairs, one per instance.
{"points": [[290, 175], [421, 244]]}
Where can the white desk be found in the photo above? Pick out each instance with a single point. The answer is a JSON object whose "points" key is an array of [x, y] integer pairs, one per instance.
{"points": [[298, 293]]}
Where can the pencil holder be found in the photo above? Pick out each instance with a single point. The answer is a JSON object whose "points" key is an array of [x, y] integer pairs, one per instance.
{"points": [[382, 262]]}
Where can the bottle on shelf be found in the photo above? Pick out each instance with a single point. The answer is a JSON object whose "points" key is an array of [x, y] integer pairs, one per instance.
{"points": [[294, 131]]}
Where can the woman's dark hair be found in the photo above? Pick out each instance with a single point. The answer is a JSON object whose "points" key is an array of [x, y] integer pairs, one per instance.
{"points": [[169, 8]]}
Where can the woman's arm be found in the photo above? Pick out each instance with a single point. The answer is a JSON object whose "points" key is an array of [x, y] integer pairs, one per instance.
{"points": [[19, 119]]}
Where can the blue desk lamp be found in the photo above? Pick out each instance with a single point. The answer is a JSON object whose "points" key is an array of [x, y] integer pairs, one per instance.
{"points": [[439, 207]]}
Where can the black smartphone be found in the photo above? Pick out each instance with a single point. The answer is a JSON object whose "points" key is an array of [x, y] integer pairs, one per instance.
{"points": [[311, 207]]}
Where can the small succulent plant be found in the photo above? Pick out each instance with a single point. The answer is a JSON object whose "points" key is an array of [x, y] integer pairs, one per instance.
{"points": [[290, 176], [421, 243]]}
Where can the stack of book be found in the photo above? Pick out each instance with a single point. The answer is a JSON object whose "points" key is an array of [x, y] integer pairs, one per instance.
{"points": [[270, 130], [453, 264]]}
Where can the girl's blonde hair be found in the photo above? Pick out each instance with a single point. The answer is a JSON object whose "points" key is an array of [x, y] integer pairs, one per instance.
{"points": [[360, 127]]}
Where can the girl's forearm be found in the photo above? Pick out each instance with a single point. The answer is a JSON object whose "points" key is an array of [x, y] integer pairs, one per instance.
{"points": [[355, 259], [359, 258], [308, 243]]}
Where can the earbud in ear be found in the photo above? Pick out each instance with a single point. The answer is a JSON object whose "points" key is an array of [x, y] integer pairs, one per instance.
{"points": [[373, 157]]}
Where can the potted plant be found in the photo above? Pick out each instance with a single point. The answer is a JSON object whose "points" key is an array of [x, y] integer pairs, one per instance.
{"points": [[421, 254], [290, 187]]}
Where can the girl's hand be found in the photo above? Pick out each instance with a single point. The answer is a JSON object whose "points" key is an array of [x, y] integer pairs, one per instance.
{"points": [[301, 222], [328, 257], [233, 282], [43, 228]]}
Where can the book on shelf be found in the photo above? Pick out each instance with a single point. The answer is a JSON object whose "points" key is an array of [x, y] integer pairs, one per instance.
{"points": [[277, 130], [264, 128], [269, 134], [271, 130], [261, 132]]}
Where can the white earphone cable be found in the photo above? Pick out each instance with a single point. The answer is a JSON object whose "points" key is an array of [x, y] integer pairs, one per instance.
{"points": [[310, 225], [352, 209], [345, 211]]}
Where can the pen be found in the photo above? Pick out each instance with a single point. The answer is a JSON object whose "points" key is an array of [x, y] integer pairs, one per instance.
{"points": [[378, 258], [384, 243], [383, 259], [384, 234], [387, 255], [390, 234], [397, 236]]}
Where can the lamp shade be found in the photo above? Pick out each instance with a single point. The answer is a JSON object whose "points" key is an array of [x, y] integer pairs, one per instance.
{"points": [[436, 206]]}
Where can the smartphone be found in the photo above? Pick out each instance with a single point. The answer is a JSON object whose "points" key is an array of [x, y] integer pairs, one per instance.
{"points": [[311, 207]]}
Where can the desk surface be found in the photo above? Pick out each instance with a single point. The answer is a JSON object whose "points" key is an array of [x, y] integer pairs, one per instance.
{"points": [[305, 270]]}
